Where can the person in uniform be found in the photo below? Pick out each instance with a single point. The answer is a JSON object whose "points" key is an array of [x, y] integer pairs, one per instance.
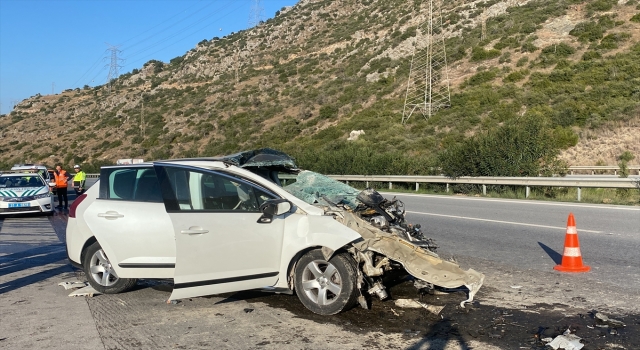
{"points": [[62, 178], [79, 180]]}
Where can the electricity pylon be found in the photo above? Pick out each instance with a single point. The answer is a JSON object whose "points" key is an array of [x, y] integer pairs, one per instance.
{"points": [[428, 85], [255, 13], [114, 65]]}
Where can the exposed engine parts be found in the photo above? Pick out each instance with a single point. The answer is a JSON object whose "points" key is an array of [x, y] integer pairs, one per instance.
{"points": [[388, 215]]}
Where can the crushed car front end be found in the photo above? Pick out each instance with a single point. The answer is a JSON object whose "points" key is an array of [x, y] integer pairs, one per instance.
{"points": [[387, 243]]}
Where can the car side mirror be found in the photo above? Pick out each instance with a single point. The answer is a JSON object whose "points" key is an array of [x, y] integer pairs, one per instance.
{"points": [[273, 207]]}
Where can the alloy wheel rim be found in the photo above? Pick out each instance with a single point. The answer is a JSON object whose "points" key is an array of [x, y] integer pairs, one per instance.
{"points": [[321, 282], [101, 270]]}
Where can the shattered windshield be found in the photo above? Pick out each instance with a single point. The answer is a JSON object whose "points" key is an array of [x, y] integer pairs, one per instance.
{"points": [[315, 188]]}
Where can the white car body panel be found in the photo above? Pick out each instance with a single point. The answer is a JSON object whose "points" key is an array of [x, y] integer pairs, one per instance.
{"points": [[78, 232], [236, 253], [305, 231], [142, 236]]}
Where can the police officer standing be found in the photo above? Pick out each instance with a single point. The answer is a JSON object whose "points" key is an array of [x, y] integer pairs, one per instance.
{"points": [[79, 180], [62, 177]]}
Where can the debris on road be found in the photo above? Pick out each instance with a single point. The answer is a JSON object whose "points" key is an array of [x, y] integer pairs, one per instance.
{"points": [[87, 291], [72, 285], [413, 304], [604, 321], [516, 287], [566, 341]]}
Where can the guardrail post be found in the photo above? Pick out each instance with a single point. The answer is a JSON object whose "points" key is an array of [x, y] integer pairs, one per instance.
{"points": [[484, 190], [367, 184], [615, 172], [347, 182], [579, 193], [390, 187], [447, 187], [527, 191], [284, 182], [417, 186]]}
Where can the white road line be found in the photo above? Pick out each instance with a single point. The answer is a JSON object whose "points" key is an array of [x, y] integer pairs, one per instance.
{"points": [[498, 221], [520, 201]]}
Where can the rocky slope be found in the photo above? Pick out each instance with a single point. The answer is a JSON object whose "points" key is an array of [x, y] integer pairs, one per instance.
{"points": [[321, 68]]}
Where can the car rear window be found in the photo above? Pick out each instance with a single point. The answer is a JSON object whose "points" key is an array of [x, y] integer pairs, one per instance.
{"points": [[130, 184]]}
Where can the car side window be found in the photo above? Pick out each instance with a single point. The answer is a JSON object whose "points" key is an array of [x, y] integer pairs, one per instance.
{"points": [[192, 190], [130, 184]]}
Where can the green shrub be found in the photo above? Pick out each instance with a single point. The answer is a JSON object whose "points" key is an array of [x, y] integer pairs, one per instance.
{"points": [[516, 76], [587, 31], [522, 147], [522, 61], [601, 5], [481, 78], [528, 47], [591, 55], [635, 18], [480, 54]]}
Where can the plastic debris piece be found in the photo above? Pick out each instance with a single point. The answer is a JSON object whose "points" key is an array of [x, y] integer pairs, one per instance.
{"points": [[604, 321], [413, 304], [408, 303], [173, 302], [516, 287], [72, 285], [394, 312], [547, 340], [247, 310], [87, 291], [566, 341]]}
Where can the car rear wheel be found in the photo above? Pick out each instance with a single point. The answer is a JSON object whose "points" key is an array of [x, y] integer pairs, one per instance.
{"points": [[326, 287], [101, 275]]}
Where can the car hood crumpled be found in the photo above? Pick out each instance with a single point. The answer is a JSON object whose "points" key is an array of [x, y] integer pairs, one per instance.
{"points": [[341, 201]]}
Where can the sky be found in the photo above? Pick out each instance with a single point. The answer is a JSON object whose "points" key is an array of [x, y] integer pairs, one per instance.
{"points": [[47, 46]]}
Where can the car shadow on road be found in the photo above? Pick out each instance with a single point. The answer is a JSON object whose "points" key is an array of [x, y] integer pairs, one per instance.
{"points": [[555, 256], [439, 336]]}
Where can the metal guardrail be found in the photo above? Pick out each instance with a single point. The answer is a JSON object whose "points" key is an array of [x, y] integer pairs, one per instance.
{"points": [[528, 182], [594, 168]]}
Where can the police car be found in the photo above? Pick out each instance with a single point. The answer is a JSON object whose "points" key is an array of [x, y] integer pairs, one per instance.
{"points": [[24, 192]]}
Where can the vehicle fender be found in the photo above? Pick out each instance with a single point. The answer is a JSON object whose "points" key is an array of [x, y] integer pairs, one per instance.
{"points": [[302, 232]]}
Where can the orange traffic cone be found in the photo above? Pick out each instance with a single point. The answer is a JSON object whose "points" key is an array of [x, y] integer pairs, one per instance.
{"points": [[571, 258]]}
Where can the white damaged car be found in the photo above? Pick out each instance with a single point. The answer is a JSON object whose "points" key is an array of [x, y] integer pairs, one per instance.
{"points": [[23, 192], [217, 225]]}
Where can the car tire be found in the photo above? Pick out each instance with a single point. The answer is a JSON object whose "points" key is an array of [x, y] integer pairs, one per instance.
{"points": [[326, 287], [96, 264]]}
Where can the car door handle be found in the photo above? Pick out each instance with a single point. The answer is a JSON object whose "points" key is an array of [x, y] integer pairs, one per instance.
{"points": [[194, 230], [110, 215]]}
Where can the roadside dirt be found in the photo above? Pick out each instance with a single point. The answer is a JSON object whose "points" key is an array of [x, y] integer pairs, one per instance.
{"points": [[506, 328]]}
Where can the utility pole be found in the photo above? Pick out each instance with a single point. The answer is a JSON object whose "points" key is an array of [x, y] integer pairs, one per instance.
{"points": [[53, 88], [142, 115], [256, 13], [483, 36], [428, 84], [114, 65]]}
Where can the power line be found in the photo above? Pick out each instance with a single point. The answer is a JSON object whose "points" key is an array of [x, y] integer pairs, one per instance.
{"points": [[131, 62], [164, 40]]}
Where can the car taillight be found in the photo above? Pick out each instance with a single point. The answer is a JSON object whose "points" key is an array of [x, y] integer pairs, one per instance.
{"points": [[75, 204]]}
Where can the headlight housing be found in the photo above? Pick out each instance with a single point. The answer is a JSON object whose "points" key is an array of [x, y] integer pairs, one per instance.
{"points": [[40, 196]]}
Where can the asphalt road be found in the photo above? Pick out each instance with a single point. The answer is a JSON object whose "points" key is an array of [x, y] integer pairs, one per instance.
{"points": [[529, 235]]}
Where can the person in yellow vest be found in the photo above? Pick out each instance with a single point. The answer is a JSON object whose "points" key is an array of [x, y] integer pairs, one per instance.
{"points": [[79, 180], [62, 178]]}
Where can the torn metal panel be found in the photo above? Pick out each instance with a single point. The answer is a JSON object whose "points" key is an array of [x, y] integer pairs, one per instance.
{"points": [[382, 226], [420, 263], [264, 157]]}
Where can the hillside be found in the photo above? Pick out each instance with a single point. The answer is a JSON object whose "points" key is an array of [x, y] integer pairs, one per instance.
{"points": [[303, 80]]}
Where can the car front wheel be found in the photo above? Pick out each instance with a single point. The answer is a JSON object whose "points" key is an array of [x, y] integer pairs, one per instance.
{"points": [[101, 275], [326, 287]]}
